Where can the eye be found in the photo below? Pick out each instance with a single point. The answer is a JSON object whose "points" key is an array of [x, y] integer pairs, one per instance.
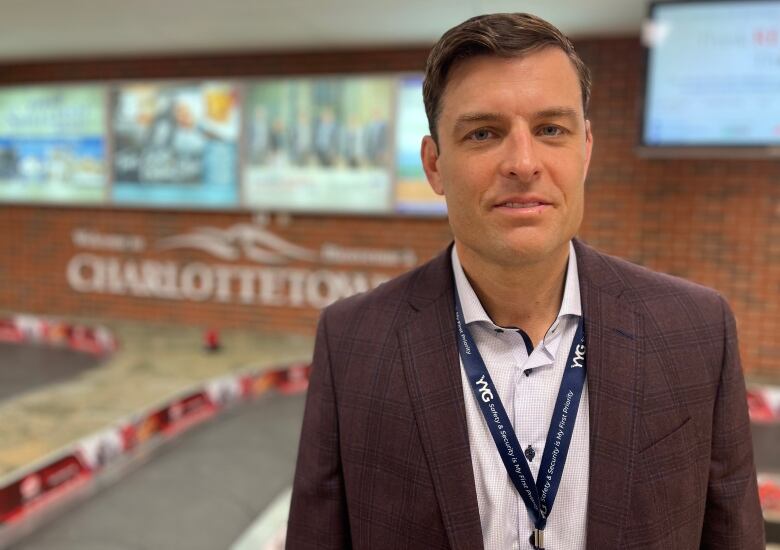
{"points": [[550, 131], [481, 134]]}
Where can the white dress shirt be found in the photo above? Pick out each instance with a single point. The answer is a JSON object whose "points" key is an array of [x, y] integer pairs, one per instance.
{"points": [[528, 386]]}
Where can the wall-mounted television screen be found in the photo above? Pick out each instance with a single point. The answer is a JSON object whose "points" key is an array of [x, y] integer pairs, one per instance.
{"points": [[713, 76]]}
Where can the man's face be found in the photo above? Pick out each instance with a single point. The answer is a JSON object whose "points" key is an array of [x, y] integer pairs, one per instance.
{"points": [[514, 148]]}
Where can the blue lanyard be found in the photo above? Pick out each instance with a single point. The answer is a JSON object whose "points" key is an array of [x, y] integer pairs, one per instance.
{"points": [[538, 496]]}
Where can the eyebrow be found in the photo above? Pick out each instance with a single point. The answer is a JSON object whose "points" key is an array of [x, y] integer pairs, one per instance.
{"points": [[467, 119], [558, 112]]}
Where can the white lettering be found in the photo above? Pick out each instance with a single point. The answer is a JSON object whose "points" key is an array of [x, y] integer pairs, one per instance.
{"points": [[246, 277], [115, 277], [463, 338], [134, 280], [358, 282], [320, 291], [269, 286], [508, 445], [579, 356], [332, 253], [84, 238], [296, 278], [85, 273], [197, 282], [378, 279], [484, 390], [161, 279], [224, 288]]}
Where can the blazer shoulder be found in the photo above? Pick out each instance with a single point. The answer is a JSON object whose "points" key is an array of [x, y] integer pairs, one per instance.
{"points": [[390, 303], [656, 292]]}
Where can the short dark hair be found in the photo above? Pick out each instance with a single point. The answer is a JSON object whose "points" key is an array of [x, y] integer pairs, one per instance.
{"points": [[498, 34]]}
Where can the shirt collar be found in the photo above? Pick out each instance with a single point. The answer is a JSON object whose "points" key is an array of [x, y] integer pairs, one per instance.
{"points": [[472, 307]]}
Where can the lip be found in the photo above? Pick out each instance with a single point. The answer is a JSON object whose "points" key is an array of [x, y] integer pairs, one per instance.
{"points": [[522, 204]]}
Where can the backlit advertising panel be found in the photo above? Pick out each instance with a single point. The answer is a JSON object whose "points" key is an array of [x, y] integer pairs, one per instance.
{"points": [[52, 145], [176, 144], [319, 145], [413, 195]]}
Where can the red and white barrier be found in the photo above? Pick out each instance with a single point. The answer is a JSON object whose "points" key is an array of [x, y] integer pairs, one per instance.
{"points": [[67, 472], [769, 493], [764, 404], [95, 340], [32, 491]]}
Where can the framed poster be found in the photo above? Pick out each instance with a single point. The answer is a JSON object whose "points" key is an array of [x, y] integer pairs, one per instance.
{"points": [[319, 145], [52, 145], [413, 195], [176, 144]]}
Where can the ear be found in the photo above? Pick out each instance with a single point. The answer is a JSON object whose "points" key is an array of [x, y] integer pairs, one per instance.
{"points": [[588, 146], [429, 153]]}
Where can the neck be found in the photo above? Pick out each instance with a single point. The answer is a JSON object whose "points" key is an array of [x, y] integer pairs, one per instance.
{"points": [[527, 296]]}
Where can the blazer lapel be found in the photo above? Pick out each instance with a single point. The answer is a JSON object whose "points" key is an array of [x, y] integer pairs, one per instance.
{"points": [[432, 371], [612, 332]]}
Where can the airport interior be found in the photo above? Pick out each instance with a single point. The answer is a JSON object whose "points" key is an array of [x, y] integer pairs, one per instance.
{"points": [[186, 185]]}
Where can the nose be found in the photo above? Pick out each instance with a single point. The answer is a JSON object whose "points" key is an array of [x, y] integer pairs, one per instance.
{"points": [[520, 159]]}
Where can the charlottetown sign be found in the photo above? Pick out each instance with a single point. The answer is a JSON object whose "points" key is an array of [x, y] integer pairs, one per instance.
{"points": [[250, 266]]}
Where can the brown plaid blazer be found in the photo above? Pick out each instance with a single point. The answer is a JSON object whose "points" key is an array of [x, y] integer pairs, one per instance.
{"points": [[384, 460]]}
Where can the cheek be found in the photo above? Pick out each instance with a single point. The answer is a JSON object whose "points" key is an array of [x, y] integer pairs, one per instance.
{"points": [[453, 181], [466, 179], [569, 178], [576, 200]]}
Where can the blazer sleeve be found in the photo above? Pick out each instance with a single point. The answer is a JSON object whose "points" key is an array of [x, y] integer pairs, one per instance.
{"points": [[318, 511], [733, 519]]}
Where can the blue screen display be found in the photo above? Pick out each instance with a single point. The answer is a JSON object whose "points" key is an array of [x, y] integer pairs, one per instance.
{"points": [[713, 74]]}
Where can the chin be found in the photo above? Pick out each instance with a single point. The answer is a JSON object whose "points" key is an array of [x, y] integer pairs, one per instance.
{"points": [[528, 251], [522, 256]]}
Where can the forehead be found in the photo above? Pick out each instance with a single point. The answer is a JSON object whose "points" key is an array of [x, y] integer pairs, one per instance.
{"points": [[533, 82]]}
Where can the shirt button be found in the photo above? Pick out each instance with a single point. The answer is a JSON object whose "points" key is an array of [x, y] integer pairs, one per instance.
{"points": [[530, 453], [527, 372]]}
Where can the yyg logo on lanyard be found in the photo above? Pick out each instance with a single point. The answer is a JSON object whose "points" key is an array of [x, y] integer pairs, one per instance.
{"points": [[538, 495]]}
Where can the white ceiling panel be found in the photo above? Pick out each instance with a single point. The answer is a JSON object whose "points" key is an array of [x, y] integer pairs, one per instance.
{"points": [[55, 29]]}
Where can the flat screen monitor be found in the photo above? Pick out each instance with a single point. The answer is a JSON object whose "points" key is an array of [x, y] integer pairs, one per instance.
{"points": [[713, 77]]}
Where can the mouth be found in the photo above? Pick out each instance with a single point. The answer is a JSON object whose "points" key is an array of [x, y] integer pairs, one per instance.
{"points": [[521, 205]]}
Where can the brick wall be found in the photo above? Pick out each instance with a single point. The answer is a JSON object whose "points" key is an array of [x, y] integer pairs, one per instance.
{"points": [[38, 247], [712, 221]]}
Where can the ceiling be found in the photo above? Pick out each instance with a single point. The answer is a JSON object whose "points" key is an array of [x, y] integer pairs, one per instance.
{"points": [[60, 29]]}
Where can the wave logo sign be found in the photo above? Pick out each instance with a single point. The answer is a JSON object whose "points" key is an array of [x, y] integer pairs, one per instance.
{"points": [[260, 245], [255, 243]]}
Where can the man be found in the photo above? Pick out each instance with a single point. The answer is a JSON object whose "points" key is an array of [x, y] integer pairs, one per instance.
{"points": [[624, 422]]}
